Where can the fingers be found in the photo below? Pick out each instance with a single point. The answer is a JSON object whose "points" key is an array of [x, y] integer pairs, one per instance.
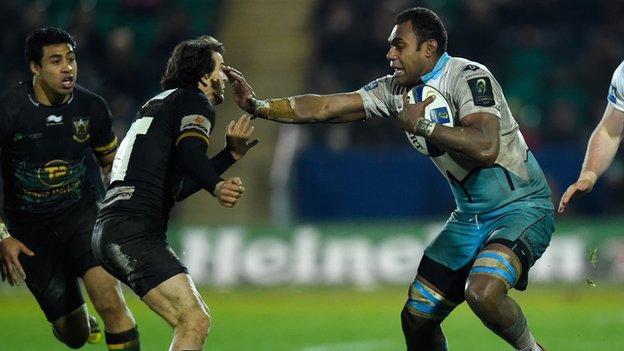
{"points": [[13, 276], [406, 99], [231, 191], [565, 199], [240, 128], [233, 70], [236, 180], [429, 100], [230, 127], [567, 196], [3, 271]]}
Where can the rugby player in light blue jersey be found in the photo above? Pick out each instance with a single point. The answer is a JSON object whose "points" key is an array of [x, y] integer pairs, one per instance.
{"points": [[504, 216], [604, 141]]}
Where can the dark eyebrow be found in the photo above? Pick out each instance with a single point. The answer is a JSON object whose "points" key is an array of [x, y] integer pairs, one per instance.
{"points": [[396, 40], [55, 56]]}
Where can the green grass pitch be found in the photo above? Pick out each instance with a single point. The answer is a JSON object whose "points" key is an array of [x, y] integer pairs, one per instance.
{"points": [[338, 319]]}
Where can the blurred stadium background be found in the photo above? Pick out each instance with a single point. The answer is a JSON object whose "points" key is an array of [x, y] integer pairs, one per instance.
{"points": [[318, 255]]}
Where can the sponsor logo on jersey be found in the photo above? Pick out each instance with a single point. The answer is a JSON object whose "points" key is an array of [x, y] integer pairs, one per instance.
{"points": [[471, 68], [20, 136], [481, 89], [195, 122], [81, 129], [439, 115], [53, 173], [54, 120]]}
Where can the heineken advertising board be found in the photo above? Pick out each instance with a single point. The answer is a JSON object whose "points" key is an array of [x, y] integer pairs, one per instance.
{"points": [[366, 255]]}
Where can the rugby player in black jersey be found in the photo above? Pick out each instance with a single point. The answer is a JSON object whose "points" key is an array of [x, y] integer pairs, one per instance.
{"points": [[48, 128], [162, 160]]}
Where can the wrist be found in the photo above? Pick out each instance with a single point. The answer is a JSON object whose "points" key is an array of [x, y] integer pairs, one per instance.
{"points": [[588, 176], [4, 232], [260, 108], [216, 187], [424, 127]]}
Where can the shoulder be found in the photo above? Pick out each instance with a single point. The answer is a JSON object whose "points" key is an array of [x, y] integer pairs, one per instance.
{"points": [[191, 101], [466, 69], [13, 99], [85, 96], [385, 82], [618, 74]]}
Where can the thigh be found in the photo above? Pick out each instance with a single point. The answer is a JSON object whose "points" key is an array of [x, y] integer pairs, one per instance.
{"points": [[50, 276], [523, 236], [76, 229], [173, 297], [135, 251], [458, 243]]}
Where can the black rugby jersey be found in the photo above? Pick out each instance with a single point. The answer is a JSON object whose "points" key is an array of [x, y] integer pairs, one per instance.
{"points": [[146, 174], [44, 148]]}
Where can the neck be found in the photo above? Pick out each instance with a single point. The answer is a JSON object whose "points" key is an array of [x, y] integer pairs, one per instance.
{"points": [[46, 96], [431, 64]]}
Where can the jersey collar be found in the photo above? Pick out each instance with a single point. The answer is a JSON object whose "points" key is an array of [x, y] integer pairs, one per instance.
{"points": [[437, 70]]}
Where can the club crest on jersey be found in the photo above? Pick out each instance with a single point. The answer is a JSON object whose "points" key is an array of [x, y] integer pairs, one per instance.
{"points": [[81, 129]]}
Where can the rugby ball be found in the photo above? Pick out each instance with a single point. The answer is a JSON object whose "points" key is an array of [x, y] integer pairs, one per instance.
{"points": [[439, 111]]}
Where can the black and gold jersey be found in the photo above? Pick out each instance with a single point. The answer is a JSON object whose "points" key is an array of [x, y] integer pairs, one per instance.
{"points": [[44, 148], [147, 173]]}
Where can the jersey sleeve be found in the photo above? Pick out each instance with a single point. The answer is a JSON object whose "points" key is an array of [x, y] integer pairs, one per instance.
{"points": [[377, 97], [104, 141], [616, 89], [476, 91], [196, 121]]}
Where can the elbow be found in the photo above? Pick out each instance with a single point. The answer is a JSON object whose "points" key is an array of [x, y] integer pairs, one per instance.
{"points": [[487, 157]]}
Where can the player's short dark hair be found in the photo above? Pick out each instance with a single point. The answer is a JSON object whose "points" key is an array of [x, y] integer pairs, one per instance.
{"points": [[43, 37], [189, 61], [427, 25]]}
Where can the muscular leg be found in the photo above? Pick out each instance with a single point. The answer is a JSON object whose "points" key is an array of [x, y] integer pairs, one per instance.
{"points": [[486, 294], [72, 329], [421, 333], [105, 293], [179, 303]]}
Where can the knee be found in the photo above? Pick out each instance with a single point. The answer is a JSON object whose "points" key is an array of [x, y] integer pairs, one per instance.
{"points": [[196, 319], [72, 336], [482, 294], [411, 322], [110, 306]]}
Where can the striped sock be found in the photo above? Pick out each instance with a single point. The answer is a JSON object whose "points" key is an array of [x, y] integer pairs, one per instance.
{"points": [[125, 341]]}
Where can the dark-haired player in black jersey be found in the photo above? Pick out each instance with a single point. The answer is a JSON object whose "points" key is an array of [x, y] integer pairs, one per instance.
{"points": [[48, 128], [161, 160]]}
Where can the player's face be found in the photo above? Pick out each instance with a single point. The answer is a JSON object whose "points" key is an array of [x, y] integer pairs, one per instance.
{"points": [[406, 59], [58, 69], [217, 79]]}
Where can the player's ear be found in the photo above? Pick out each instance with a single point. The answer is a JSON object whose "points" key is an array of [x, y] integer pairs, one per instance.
{"points": [[35, 68], [431, 47]]}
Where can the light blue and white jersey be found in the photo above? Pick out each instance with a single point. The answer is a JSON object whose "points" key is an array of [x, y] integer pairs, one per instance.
{"points": [[616, 90], [470, 88]]}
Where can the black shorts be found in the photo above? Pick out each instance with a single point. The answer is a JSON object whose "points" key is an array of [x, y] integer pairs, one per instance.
{"points": [[62, 248], [135, 250]]}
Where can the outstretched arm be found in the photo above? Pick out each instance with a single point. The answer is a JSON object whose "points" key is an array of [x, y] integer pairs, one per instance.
{"points": [[310, 108], [601, 149]]}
